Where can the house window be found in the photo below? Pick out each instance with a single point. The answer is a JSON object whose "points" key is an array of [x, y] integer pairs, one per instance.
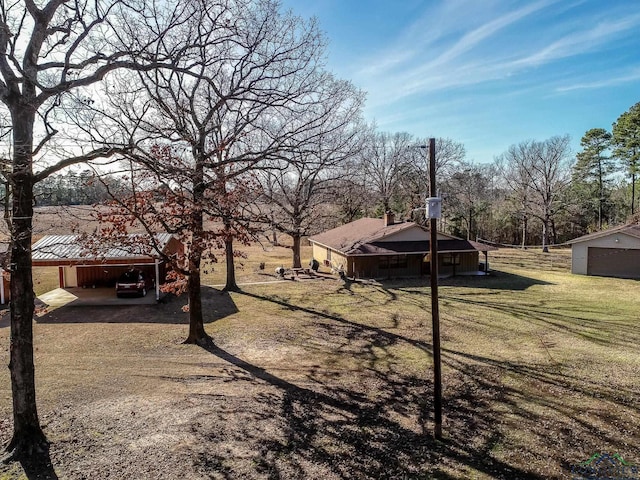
{"points": [[398, 261], [393, 261], [329, 254], [450, 259]]}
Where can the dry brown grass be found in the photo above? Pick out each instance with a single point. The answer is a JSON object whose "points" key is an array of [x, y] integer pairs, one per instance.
{"points": [[331, 380]]}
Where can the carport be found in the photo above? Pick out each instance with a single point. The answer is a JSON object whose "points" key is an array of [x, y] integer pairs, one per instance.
{"points": [[89, 297], [91, 264]]}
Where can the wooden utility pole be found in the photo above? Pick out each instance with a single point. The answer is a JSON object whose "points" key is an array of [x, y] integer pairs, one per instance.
{"points": [[435, 314]]}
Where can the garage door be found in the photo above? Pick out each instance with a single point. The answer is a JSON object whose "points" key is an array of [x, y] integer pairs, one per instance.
{"points": [[614, 262]]}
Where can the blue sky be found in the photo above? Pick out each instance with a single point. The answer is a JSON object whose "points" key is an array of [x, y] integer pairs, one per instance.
{"points": [[486, 73]]}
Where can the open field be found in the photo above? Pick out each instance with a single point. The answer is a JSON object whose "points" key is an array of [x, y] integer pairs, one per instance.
{"points": [[321, 379]]}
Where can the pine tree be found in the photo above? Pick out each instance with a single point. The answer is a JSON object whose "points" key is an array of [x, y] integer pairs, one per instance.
{"points": [[593, 167], [626, 140]]}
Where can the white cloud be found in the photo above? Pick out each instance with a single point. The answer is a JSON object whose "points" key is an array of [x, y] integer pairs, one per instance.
{"points": [[476, 53], [580, 42], [610, 81], [405, 68], [476, 36]]}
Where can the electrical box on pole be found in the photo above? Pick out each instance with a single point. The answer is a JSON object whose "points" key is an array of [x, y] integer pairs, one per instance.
{"points": [[434, 207]]}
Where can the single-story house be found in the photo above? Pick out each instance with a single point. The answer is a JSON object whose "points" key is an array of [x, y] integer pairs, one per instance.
{"points": [[610, 253], [382, 248], [100, 263]]}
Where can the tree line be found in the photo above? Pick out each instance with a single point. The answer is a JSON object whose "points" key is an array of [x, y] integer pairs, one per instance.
{"points": [[72, 188], [218, 122], [537, 192]]}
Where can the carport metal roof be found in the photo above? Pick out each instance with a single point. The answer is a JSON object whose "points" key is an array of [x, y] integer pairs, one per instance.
{"points": [[74, 250]]}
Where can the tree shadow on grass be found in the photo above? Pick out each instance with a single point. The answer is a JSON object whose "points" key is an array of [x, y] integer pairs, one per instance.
{"points": [[323, 314], [215, 305], [369, 421], [39, 467], [377, 428], [36, 467], [496, 280], [575, 320], [358, 433]]}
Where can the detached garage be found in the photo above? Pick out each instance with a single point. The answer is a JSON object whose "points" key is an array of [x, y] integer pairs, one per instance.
{"points": [[610, 253], [81, 265]]}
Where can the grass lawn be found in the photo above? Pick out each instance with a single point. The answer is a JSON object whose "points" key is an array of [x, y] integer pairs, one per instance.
{"points": [[321, 379]]}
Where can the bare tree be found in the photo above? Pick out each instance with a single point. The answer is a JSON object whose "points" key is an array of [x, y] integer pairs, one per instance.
{"points": [[516, 180], [387, 161], [46, 53], [222, 109], [537, 173], [313, 172], [449, 156], [415, 182], [467, 197], [353, 198]]}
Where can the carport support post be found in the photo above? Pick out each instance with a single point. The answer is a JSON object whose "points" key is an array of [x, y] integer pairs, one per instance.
{"points": [[157, 280], [435, 315]]}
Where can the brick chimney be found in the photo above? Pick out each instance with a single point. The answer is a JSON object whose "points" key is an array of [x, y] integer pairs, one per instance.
{"points": [[389, 218]]}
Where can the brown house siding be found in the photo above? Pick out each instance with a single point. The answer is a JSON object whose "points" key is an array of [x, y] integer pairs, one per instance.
{"points": [[365, 267], [376, 267], [458, 263], [106, 276], [370, 266]]}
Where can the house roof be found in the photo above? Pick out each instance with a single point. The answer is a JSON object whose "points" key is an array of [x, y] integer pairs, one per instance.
{"points": [[348, 238], [444, 246], [370, 236], [632, 230], [73, 248]]}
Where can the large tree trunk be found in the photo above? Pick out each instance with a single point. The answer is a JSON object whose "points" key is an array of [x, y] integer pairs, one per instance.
{"points": [[600, 194], [274, 232], [197, 334], [545, 235], [633, 192], [231, 285], [28, 436], [297, 263]]}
